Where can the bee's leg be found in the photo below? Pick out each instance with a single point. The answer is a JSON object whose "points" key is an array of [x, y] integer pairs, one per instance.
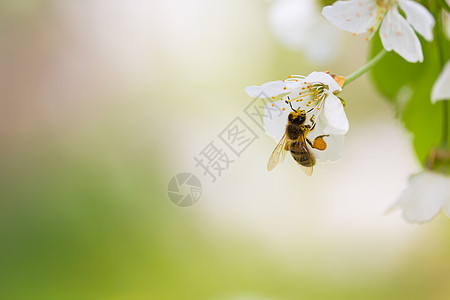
{"points": [[313, 122], [309, 142]]}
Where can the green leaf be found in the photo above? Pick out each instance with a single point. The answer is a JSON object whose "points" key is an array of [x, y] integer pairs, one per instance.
{"points": [[323, 3], [422, 118], [393, 72]]}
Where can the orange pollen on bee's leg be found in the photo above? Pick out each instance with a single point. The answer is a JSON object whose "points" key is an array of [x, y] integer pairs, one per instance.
{"points": [[319, 143]]}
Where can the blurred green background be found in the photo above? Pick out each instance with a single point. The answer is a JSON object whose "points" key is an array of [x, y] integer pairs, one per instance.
{"points": [[104, 101]]}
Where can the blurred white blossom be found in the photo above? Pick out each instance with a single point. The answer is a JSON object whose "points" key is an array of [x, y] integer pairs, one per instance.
{"points": [[427, 194], [365, 16], [441, 88], [315, 94], [299, 26]]}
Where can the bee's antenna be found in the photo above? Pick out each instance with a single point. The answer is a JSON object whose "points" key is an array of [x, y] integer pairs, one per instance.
{"points": [[290, 104], [310, 110]]}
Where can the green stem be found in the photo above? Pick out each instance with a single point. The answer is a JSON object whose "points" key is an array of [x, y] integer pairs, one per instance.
{"points": [[365, 68], [442, 60], [445, 5], [445, 131]]}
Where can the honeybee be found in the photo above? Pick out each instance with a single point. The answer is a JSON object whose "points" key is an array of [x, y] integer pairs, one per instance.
{"points": [[295, 140]]}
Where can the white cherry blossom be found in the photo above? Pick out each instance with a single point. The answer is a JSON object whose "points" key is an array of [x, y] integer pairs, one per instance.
{"points": [[298, 25], [427, 194], [441, 88], [396, 32], [315, 94]]}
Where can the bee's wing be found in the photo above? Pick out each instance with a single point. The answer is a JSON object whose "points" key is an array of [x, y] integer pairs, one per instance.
{"points": [[278, 154], [307, 170]]}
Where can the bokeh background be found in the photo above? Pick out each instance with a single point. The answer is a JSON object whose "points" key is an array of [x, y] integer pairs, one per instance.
{"points": [[104, 101]]}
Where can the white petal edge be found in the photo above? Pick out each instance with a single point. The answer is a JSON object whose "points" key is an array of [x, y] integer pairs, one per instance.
{"points": [[334, 114], [335, 142], [271, 88], [355, 16], [441, 88], [275, 119], [321, 77], [419, 18], [396, 34], [428, 192]]}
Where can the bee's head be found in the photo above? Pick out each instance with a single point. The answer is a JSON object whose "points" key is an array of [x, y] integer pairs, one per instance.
{"points": [[297, 117]]}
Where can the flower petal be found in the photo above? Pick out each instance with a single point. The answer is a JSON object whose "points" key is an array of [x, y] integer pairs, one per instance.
{"points": [[291, 20], [321, 77], [396, 34], [334, 114], [441, 88], [335, 142], [419, 18], [299, 26], [356, 16], [275, 119], [271, 88], [425, 196]]}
